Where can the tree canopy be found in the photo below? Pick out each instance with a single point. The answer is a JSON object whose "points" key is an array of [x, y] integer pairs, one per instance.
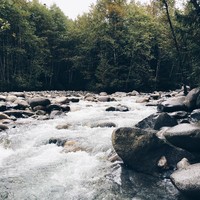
{"points": [[116, 46]]}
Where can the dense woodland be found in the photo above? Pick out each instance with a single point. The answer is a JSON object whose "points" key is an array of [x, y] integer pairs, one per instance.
{"points": [[117, 46]]}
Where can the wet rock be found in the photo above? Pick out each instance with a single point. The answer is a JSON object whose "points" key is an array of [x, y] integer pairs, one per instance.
{"points": [[57, 141], [40, 112], [103, 94], [62, 100], [39, 101], [2, 106], [103, 124], [187, 181], [179, 114], [36, 108], [65, 108], [141, 150], [74, 100], [3, 127], [11, 98], [195, 115], [62, 126], [56, 113], [104, 98], [19, 113], [118, 108], [172, 105], [157, 121], [72, 146], [186, 136], [52, 107], [19, 94], [143, 100], [183, 164], [155, 95], [21, 104], [191, 99], [4, 116], [2, 98]]}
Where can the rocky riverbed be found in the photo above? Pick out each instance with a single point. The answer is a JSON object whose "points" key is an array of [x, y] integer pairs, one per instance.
{"points": [[57, 144]]}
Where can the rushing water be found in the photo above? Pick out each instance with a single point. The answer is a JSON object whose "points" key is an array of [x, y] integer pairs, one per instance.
{"points": [[33, 169]]}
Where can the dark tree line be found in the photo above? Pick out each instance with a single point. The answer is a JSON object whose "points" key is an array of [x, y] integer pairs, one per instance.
{"points": [[116, 46]]}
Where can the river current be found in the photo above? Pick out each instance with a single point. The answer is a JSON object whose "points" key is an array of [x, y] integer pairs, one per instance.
{"points": [[33, 169]]}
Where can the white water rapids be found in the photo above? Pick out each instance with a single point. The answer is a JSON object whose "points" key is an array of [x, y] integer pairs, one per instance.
{"points": [[33, 169]]}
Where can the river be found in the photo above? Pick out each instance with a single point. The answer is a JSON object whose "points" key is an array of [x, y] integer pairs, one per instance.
{"points": [[33, 169]]}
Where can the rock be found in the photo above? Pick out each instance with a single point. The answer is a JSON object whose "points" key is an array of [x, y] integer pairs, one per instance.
{"points": [[19, 113], [2, 106], [103, 124], [65, 108], [4, 116], [103, 94], [183, 164], [52, 107], [39, 101], [141, 150], [104, 98], [56, 113], [40, 112], [179, 114], [19, 94], [2, 98], [187, 181], [172, 105], [114, 158], [74, 100], [71, 146], [3, 127], [157, 121], [11, 98], [195, 115], [36, 108], [186, 136], [155, 95], [62, 126], [119, 108], [143, 100], [191, 99], [57, 141], [162, 163], [62, 100], [21, 104]]}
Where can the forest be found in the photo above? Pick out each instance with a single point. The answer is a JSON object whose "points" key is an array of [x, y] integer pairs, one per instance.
{"points": [[118, 45]]}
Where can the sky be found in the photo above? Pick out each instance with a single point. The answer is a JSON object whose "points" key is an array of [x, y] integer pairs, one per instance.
{"points": [[72, 8]]}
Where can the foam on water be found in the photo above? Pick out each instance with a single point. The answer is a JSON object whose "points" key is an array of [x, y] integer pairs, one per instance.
{"points": [[31, 168]]}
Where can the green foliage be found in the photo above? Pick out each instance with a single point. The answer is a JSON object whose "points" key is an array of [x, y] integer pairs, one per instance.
{"points": [[116, 46]]}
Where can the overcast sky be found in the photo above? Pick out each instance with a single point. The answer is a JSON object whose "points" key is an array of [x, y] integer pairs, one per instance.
{"points": [[72, 8]]}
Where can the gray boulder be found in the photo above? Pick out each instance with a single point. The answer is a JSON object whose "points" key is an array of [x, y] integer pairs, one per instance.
{"points": [[142, 150], [119, 108], [186, 136], [187, 180], [39, 101], [172, 105], [191, 99], [157, 121]]}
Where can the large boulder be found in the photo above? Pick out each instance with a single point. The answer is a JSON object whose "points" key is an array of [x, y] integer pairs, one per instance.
{"points": [[142, 150], [157, 121], [172, 105], [191, 99], [187, 180], [39, 101], [186, 136]]}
